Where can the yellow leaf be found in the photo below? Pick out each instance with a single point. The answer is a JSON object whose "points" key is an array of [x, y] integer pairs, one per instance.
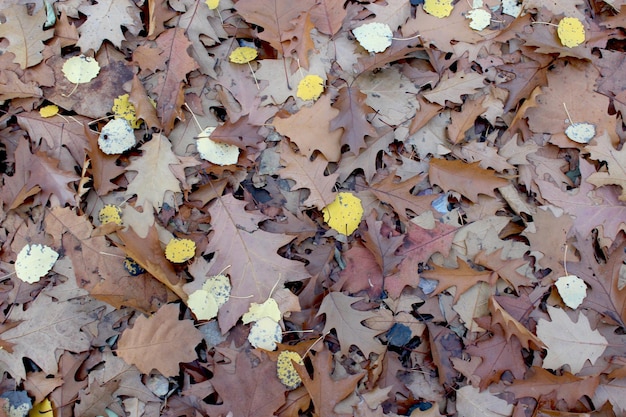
{"points": [[265, 333], [572, 290], [243, 55], [581, 132], [110, 213], [180, 250], [124, 109], [132, 267], [43, 409], [203, 305], [286, 371], [81, 69], [374, 37], [219, 286], [571, 32], [212, 4], [49, 111], [216, 152], [344, 213], [257, 311], [310, 87], [438, 8], [34, 261], [481, 18]]}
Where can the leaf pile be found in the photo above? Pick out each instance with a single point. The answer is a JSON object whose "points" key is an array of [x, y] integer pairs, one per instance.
{"points": [[376, 208]]}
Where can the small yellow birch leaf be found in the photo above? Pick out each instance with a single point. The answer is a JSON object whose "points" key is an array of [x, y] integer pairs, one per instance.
{"points": [[180, 250], [257, 311], [215, 152], [34, 261], [481, 18], [124, 109], [572, 290], [286, 371], [265, 333], [219, 287], [116, 137], [344, 213], [243, 55], [310, 87], [571, 32], [438, 8], [203, 305], [212, 4], [49, 111], [43, 409], [81, 69], [110, 213], [374, 37]]}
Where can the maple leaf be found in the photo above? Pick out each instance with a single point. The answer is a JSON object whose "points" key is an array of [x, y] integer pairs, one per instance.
{"points": [[250, 256], [308, 175], [160, 342], [326, 391], [154, 173], [45, 328], [568, 342], [352, 118], [284, 24], [25, 34], [103, 22], [467, 179], [241, 397], [347, 322], [544, 385]]}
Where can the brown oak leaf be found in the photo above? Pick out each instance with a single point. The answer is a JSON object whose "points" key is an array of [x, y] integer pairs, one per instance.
{"points": [[468, 179]]}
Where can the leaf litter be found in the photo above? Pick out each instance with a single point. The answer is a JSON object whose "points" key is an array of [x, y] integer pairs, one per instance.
{"points": [[376, 225]]}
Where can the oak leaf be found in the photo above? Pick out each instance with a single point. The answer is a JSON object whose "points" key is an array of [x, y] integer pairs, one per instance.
{"points": [[505, 268], [470, 402], [25, 34], [463, 278], [513, 327], [242, 398], [347, 322], [250, 257], [328, 16], [454, 86], [398, 195], [104, 21], [326, 391], [467, 179], [604, 151], [160, 342], [46, 328], [569, 342], [352, 118]]}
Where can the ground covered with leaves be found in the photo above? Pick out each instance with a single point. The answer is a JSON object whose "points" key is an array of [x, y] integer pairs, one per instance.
{"points": [[315, 207]]}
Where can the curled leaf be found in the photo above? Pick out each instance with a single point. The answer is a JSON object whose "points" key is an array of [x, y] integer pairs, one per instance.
{"points": [[34, 261], [180, 250], [374, 37], [286, 371]]}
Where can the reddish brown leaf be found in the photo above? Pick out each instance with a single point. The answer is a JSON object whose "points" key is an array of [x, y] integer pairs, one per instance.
{"points": [[468, 179], [463, 278], [352, 118]]}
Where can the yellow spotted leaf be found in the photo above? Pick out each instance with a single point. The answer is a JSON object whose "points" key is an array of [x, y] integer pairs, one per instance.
{"points": [[180, 250], [438, 8], [49, 111], [43, 409], [344, 213], [257, 311], [310, 87], [286, 371], [265, 333], [203, 305], [34, 261], [243, 55], [81, 69], [571, 32], [110, 213], [124, 109], [374, 37]]}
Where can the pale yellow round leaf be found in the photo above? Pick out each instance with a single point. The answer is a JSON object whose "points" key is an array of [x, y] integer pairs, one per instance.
{"points": [[480, 18], [438, 8], [571, 32], [117, 137], [374, 37], [180, 250], [49, 110], [203, 305], [572, 290], [243, 55], [34, 261], [310, 87], [265, 333], [215, 152], [286, 371], [257, 311], [81, 69], [344, 213], [219, 287], [581, 132], [213, 4]]}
